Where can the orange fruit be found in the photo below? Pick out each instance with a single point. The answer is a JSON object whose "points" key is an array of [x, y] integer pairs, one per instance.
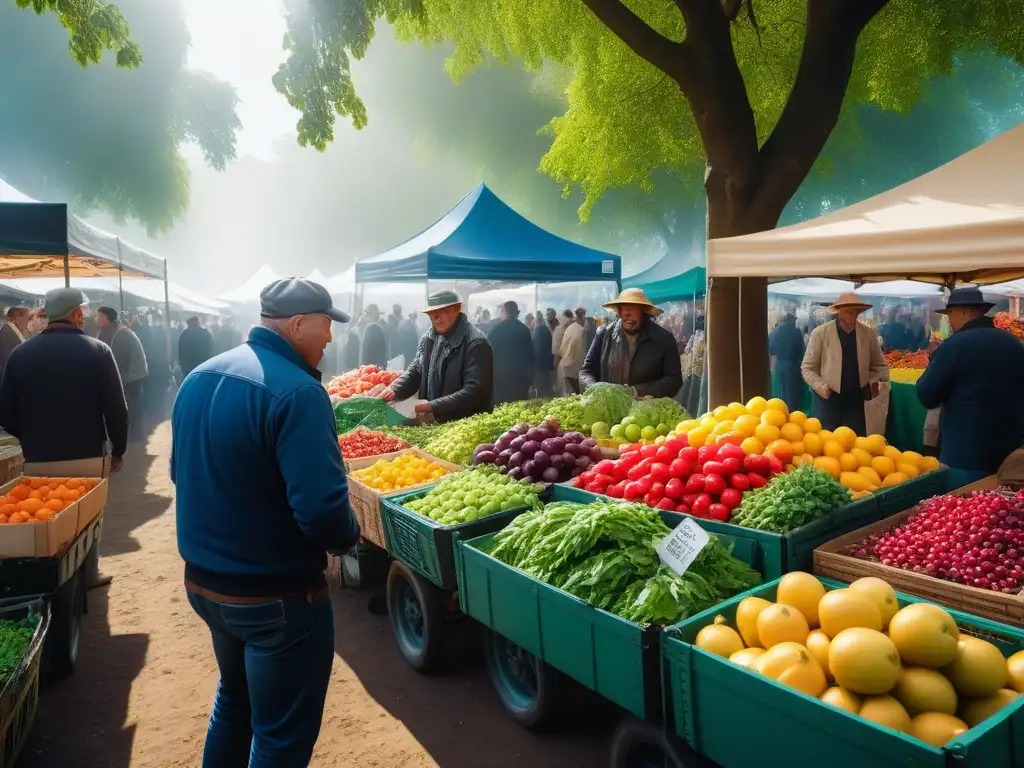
{"points": [[44, 514], [8, 509], [752, 445], [18, 517], [767, 433], [20, 492], [55, 505], [31, 506], [781, 450], [848, 462]]}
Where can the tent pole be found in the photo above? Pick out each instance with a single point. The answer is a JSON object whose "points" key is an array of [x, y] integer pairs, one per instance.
{"points": [[67, 271], [120, 278], [167, 313]]}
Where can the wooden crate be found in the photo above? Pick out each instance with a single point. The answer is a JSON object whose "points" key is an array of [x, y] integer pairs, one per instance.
{"points": [[366, 500], [830, 560]]}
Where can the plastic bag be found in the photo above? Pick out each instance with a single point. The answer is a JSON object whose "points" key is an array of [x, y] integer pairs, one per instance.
{"points": [[396, 363], [360, 411]]}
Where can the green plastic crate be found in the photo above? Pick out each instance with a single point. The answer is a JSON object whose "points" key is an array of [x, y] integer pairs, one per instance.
{"points": [[607, 654], [425, 545], [707, 696]]}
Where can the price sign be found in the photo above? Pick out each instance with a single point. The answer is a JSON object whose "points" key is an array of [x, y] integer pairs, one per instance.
{"points": [[680, 548]]}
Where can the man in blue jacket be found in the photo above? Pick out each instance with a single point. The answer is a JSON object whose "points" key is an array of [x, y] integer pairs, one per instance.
{"points": [[261, 498], [973, 375]]}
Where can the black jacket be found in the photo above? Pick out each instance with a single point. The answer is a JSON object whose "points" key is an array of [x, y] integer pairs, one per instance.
{"points": [[61, 396], [195, 346], [512, 348], [467, 384], [374, 349], [974, 372], [655, 369], [543, 358], [9, 341]]}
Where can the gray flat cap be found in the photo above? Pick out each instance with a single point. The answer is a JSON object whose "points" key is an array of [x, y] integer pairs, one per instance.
{"points": [[295, 296], [61, 302]]}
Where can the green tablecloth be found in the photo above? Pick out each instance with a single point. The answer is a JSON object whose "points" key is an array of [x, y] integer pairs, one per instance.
{"points": [[905, 424]]}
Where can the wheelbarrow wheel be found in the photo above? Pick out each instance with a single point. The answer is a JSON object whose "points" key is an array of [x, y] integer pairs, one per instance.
{"points": [[528, 688], [417, 613]]}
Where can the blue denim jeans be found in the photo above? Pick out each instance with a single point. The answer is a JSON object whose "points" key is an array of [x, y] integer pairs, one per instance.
{"points": [[275, 662]]}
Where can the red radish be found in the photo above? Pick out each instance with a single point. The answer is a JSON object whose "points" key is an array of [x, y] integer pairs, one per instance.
{"points": [[719, 512], [674, 488], [714, 484]]}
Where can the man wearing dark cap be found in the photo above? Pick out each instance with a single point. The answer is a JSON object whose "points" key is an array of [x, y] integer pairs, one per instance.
{"points": [[61, 396], [543, 359], [453, 370], [262, 498], [513, 356], [195, 346], [972, 375]]}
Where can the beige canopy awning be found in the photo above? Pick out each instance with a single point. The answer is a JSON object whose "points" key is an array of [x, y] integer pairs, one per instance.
{"points": [[962, 222]]}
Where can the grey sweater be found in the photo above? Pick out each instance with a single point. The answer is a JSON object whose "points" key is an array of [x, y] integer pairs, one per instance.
{"points": [[129, 355]]}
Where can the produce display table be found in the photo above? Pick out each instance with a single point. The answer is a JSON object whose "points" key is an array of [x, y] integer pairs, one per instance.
{"points": [[19, 694], [905, 424]]}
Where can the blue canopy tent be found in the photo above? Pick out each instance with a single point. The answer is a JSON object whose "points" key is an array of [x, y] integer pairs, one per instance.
{"points": [[483, 239], [691, 284]]}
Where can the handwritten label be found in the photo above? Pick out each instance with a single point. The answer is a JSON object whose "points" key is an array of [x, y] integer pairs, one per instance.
{"points": [[680, 548], [608, 267]]}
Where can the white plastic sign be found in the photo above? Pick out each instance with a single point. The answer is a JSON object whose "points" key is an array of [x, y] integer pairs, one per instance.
{"points": [[680, 548]]}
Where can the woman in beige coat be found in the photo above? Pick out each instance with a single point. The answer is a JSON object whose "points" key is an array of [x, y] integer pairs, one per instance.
{"points": [[843, 366]]}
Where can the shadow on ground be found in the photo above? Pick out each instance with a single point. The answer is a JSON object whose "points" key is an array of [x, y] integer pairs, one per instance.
{"points": [[456, 716], [81, 721]]}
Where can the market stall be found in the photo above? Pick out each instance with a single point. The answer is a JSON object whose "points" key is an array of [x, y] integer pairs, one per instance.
{"points": [[249, 291], [481, 244]]}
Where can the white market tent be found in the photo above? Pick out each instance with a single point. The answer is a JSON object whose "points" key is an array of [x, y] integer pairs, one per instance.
{"points": [[830, 288], [251, 288], [143, 291], [316, 276], [962, 222]]}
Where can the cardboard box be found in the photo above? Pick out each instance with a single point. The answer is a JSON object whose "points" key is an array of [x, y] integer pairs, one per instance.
{"points": [[49, 538], [11, 463]]}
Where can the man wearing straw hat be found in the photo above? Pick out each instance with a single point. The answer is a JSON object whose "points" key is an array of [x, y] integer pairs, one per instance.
{"points": [[843, 366], [973, 375], [634, 350]]}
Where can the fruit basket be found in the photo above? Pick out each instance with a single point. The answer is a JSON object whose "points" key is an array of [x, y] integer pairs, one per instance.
{"points": [[427, 546], [707, 695], [19, 692], [366, 501], [832, 559], [611, 656]]}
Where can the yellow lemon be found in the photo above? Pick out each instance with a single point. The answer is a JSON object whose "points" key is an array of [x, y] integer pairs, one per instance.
{"points": [[862, 443], [756, 406], [883, 465], [746, 425], [778, 404], [752, 445], [736, 410], [774, 418], [834, 449], [876, 445], [766, 433], [863, 457], [849, 463], [870, 475], [721, 412], [854, 480], [910, 470], [846, 436], [798, 447], [722, 427], [686, 426], [929, 464], [798, 417], [830, 465], [911, 457], [696, 437], [812, 425], [894, 478], [797, 461], [825, 435], [709, 421], [894, 453], [792, 432], [812, 444]]}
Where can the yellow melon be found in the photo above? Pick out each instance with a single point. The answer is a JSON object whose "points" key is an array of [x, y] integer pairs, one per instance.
{"points": [[781, 623], [978, 669], [803, 591], [936, 728], [746, 657], [885, 710], [925, 690], [792, 432], [974, 711], [845, 437], [746, 618], [894, 478], [864, 661], [880, 593], [839, 697], [842, 609]]}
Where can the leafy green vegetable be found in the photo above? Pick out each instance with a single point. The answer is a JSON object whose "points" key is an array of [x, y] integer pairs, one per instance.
{"points": [[791, 501], [360, 411], [659, 410], [605, 553], [607, 403], [15, 637]]}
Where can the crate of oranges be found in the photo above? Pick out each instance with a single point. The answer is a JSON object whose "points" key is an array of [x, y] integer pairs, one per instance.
{"points": [[376, 476], [39, 515]]}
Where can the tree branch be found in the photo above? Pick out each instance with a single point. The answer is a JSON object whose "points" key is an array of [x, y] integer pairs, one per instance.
{"points": [[813, 108], [642, 39]]}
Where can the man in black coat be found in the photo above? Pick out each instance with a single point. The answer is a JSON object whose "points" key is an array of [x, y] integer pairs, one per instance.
{"points": [[454, 367], [975, 374], [786, 348], [513, 356], [195, 346], [61, 394], [13, 333], [374, 349], [634, 351], [543, 358]]}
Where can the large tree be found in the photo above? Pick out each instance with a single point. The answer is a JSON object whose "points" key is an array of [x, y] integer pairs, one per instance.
{"points": [[108, 136], [744, 93]]}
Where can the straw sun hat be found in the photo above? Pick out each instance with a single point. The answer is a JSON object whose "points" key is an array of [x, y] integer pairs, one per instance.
{"points": [[848, 300], [633, 296]]}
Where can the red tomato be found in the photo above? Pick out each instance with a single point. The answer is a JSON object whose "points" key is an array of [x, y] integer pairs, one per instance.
{"points": [[660, 473], [714, 484], [684, 508], [689, 455], [666, 504], [740, 482], [756, 480], [755, 463], [675, 445], [731, 498], [633, 491], [731, 465], [719, 512], [649, 451], [593, 488], [674, 488], [646, 482], [605, 467], [680, 468], [706, 453], [665, 454], [616, 491], [603, 480], [640, 470], [775, 465], [713, 468], [695, 483], [702, 506], [587, 477], [690, 498]]}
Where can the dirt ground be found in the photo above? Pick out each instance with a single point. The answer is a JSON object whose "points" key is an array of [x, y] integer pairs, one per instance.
{"points": [[141, 695]]}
